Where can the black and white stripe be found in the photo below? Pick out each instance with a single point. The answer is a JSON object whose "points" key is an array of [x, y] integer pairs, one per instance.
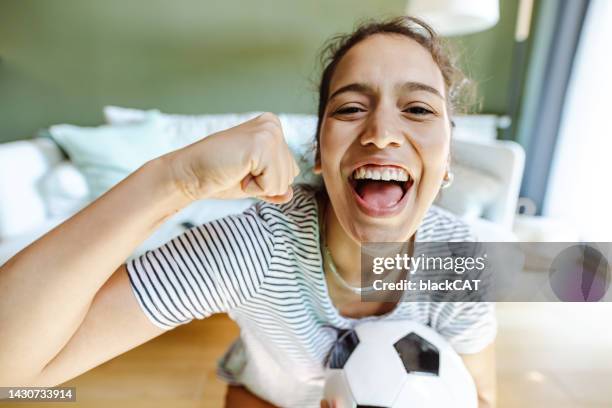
{"points": [[263, 267]]}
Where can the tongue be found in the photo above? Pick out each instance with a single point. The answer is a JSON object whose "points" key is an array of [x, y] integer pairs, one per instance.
{"points": [[380, 194]]}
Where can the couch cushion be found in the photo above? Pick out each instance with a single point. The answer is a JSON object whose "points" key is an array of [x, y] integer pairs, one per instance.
{"points": [[22, 167]]}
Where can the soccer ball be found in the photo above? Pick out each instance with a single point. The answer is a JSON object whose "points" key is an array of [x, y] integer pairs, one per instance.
{"points": [[391, 364]]}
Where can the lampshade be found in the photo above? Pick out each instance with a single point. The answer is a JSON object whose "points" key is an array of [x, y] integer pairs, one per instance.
{"points": [[455, 17]]}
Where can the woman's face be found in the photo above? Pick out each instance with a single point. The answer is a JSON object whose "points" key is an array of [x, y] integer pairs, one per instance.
{"points": [[386, 119]]}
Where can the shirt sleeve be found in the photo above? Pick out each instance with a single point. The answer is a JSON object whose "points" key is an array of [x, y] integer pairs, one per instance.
{"points": [[468, 326], [208, 269]]}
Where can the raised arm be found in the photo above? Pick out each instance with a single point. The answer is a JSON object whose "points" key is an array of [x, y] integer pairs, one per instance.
{"points": [[65, 301]]}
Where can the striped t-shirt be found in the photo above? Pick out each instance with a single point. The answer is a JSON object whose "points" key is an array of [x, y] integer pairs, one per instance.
{"points": [[263, 267]]}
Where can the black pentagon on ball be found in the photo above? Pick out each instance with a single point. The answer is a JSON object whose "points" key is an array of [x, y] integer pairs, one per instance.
{"points": [[418, 355], [342, 349]]}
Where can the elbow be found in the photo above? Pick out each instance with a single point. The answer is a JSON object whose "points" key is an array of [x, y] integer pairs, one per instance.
{"points": [[16, 380], [20, 381], [12, 376]]}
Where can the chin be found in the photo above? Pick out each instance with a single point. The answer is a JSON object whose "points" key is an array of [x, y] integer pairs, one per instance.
{"points": [[376, 235], [365, 228]]}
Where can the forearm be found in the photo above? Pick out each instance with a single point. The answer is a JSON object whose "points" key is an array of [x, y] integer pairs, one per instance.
{"points": [[46, 289]]}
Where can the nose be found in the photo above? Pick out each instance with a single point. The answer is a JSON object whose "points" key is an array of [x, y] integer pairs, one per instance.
{"points": [[382, 128]]}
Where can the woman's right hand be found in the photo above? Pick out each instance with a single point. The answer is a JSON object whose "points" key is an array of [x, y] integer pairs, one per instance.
{"points": [[248, 160]]}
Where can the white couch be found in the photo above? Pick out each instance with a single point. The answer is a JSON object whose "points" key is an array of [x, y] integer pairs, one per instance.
{"points": [[39, 188]]}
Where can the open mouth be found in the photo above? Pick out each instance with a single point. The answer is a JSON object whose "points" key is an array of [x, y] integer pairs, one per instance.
{"points": [[380, 189]]}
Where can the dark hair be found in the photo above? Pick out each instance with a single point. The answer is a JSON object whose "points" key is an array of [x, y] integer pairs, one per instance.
{"points": [[458, 93]]}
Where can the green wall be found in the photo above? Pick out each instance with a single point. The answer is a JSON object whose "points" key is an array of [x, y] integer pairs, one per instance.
{"points": [[487, 57], [63, 60]]}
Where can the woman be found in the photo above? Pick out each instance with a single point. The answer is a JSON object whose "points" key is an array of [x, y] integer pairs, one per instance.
{"points": [[386, 96]]}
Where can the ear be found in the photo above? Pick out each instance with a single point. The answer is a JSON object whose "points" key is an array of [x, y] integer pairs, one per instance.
{"points": [[317, 168]]}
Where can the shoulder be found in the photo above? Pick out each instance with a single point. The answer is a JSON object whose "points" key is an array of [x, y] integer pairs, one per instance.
{"points": [[299, 214], [468, 326], [442, 225]]}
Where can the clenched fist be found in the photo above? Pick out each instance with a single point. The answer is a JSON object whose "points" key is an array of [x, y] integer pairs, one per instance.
{"points": [[248, 160]]}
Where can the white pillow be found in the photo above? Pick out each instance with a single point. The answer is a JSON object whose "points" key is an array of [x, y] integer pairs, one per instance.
{"points": [[299, 130], [64, 190], [107, 154], [22, 166], [115, 115], [189, 128]]}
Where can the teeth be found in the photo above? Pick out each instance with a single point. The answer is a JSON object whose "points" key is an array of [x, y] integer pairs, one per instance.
{"points": [[381, 173]]}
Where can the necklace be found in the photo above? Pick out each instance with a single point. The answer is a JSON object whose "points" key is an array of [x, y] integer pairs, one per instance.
{"points": [[329, 261], [331, 266]]}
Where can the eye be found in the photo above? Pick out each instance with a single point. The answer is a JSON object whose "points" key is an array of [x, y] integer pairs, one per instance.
{"points": [[418, 110], [348, 110]]}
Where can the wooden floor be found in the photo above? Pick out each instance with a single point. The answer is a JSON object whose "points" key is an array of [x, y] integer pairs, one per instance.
{"points": [[549, 355], [554, 355]]}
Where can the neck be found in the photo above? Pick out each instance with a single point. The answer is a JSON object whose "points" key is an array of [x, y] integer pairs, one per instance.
{"points": [[346, 253]]}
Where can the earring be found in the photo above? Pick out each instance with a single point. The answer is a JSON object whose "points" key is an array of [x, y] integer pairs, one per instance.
{"points": [[448, 180]]}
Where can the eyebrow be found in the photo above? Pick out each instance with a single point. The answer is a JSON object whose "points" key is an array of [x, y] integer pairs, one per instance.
{"points": [[364, 88]]}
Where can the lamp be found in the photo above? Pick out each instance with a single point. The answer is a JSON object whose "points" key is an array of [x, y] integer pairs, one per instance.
{"points": [[455, 17]]}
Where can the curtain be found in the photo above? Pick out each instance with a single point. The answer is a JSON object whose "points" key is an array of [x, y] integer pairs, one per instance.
{"points": [[580, 185]]}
